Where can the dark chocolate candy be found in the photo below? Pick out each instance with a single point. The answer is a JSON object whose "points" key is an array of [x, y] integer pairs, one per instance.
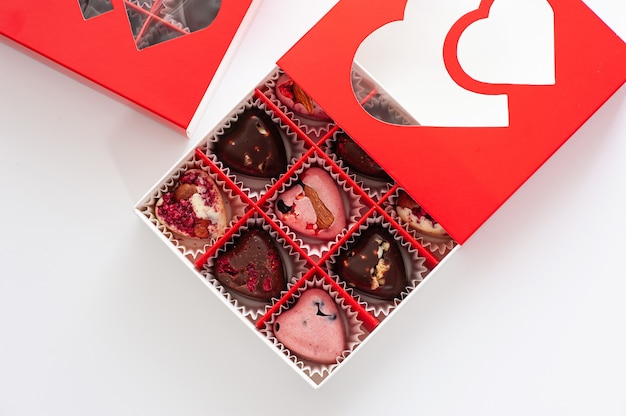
{"points": [[382, 110], [253, 146], [373, 264], [253, 267], [357, 159]]}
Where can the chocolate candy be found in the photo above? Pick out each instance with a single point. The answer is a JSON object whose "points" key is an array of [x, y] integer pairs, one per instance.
{"points": [[253, 267], [313, 206], [412, 213], [194, 209], [295, 99], [312, 329], [357, 159], [373, 265], [253, 146]]}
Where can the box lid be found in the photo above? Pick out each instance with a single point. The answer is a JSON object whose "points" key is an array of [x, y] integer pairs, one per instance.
{"points": [[461, 171], [168, 78]]}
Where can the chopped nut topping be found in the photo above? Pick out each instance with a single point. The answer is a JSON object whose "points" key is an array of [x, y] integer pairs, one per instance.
{"points": [[382, 267], [262, 130], [201, 229]]}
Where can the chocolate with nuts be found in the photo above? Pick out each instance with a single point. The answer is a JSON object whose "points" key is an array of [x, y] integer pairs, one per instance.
{"points": [[194, 209], [373, 264], [253, 146]]}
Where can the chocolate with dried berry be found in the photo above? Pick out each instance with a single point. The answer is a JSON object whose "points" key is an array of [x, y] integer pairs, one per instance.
{"points": [[253, 145], [253, 267], [411, 213], [194, 208], [373, 264]]}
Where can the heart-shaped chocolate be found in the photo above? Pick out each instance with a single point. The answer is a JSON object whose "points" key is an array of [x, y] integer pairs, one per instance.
{"points": [[357, 159], [195, 208], [373, 264], [313, 206], [312, 329], [294, 98], [253, 267], [412, 213], [253, 146]]}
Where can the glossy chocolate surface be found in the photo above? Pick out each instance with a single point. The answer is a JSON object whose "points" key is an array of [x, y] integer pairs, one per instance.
{"points": [[253, 146], [373, 264], [357, 159], [253, 267]]}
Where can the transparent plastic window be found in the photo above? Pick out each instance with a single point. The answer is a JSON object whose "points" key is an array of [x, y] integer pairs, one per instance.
{"points": [[93, 8], [156, 21]]}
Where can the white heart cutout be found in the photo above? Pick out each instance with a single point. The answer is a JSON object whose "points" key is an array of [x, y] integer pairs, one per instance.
{"points": [[406, 59]]}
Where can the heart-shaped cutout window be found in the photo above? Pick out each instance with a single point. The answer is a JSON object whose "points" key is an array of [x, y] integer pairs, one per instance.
{"points": [[156, 21], [498, 44], [94, 8]]}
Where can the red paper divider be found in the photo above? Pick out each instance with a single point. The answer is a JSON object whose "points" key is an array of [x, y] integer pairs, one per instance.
{"points": [[284, 177], [274, 308], [431, 261], [284, 235], [346, 236], [151, 16], [369, 321]]}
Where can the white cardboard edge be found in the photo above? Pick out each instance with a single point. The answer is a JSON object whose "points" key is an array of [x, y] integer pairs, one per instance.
{"points": [[266, 341], [258, 333], [222, 68]]}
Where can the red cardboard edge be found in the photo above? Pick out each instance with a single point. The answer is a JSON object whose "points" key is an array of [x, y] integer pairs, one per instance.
{"points": [[471, 171], [169, 79]]}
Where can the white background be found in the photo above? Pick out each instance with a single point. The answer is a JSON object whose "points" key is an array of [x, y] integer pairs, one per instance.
{"points": [[99, 317]]}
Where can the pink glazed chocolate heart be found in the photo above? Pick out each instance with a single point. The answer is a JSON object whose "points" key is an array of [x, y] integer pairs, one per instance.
{"points": [[313, 206], [312, 329]]}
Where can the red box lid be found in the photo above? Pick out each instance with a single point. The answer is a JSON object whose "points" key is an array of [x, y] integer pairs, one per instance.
{"points": [[462, 174], [168, 79]]}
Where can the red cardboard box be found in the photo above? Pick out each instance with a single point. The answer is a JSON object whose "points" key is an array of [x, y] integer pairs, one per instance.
{"points": [[460, 161], [151, 53], [471, 170], [459, 168]]}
